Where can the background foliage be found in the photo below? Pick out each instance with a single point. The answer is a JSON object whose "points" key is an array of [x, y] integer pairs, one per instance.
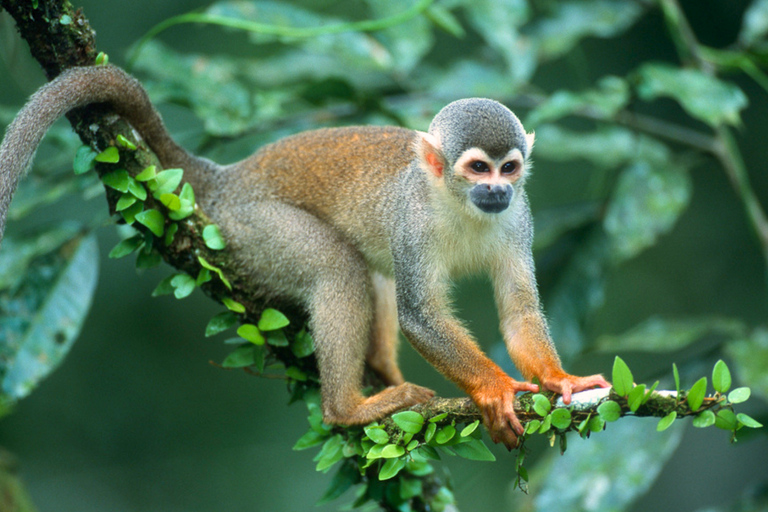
{"points": [[651, 241]]}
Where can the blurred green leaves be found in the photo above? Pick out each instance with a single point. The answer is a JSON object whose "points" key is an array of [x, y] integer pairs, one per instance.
{"points": [[41, 313], [703, 96]]}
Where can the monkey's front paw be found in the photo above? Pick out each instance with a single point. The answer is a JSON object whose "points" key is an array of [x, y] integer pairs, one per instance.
{"points": [[497, 404], [566, 384]]}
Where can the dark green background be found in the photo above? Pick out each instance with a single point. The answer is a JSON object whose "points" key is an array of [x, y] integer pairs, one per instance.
{"points": [[137, 419]]}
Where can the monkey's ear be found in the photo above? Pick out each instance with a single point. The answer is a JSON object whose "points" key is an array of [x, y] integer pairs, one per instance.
{"points": [[428, 150], [529, 139]]}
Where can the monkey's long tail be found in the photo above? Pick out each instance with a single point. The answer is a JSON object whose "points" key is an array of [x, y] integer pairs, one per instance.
{"points": [[78, 87]]}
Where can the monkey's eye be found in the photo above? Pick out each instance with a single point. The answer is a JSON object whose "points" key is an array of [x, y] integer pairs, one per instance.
{"points": [[508, 168], [479, 166]]}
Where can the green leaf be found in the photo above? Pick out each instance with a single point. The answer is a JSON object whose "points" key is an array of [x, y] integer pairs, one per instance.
{"points": [[272, 319], [474, 450], [212, 237], [240, 358], [183, 285], [407, 42], [303, 344], [149, 173], [561, 418], [516, 50], [696, 394], [666, 421], [127, 246], [137, 189], [703, 96], [541, 404], [259, 358], [347, 476], [330, 454], [153, 220], [438, 417], [277, 339], [623, 381], [108, 156], [164, 287], [726, 420], [308, 440], [748, 421], [84, 159], [647, 201], [148, 257], [233, 305], [469, 429], [410, 488], [167, 181], [377, 434], [571, 21], [676, 375], [221, 322], [609, 411], [444, 19], [636, 397], [56, 296], [392, 451], [721, 377], [294, 373], [445, 434], [219, 273], [391, 468], [118, 180], [532, 426], [170, 233], [739, 395], [429, 434], [171, 201], [129, 214], [409, 421], [611, 95], [608, 147], [203, 276], [125, 201], [755, 23], [251, 333], [123, 142], [704, 419], [596, 424]]}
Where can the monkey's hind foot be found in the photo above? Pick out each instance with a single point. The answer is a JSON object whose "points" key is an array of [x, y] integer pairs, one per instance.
{"points": [[382, 404]]}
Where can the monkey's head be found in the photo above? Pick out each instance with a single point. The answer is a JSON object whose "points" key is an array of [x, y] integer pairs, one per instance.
{"points": [[480, 150]]}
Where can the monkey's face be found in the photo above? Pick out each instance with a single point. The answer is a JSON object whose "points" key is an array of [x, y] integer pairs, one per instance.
{"points": [[489, 183]]}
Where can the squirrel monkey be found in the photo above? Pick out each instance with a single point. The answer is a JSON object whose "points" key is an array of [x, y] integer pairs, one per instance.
{"points": [[364, 226]]}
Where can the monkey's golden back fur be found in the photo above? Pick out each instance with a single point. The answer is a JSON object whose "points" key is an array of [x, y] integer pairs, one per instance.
{"points": [[348, 191]]}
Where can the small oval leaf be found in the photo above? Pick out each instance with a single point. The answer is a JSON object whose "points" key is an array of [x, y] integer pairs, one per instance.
{"points": [[666, 421], [696, 394], [609, 411], [623, 382], [409, 421], [721, 377], [251, 333], [739, 395], [272, 319]]}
